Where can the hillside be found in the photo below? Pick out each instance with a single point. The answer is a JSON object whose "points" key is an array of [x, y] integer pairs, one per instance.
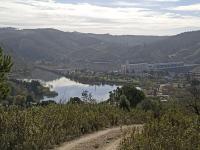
{"points": [[182, 47], [81, 50]]}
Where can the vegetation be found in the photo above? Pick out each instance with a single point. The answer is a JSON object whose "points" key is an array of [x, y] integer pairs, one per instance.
{"points": [[173, 130], [124, 103], [75, 100], [174, 125], [86, 50], [43, 127], [34, 87], [5, 67], [90, 77], [25, 93], [194, 101], [18, 92], [87, 97], [127, 93]]}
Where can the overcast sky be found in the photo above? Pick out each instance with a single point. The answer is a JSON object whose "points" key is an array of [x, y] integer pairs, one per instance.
{"points": [[149, 17]]}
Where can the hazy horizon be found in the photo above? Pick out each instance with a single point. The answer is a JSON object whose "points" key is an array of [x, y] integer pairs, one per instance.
{"points": [[97, 33]]}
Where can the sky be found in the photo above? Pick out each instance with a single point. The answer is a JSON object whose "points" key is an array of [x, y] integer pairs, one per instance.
{"points": [[133, 17]]}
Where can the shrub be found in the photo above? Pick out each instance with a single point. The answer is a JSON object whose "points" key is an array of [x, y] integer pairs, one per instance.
{"points": [[43, 127], [174, 130]]}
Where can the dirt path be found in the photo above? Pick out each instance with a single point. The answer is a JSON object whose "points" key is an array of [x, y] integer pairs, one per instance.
{"points": [[108, 139]]}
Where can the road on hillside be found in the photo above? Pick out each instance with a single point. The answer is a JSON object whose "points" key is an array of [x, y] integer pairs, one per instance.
{"points": [[108, 139]]}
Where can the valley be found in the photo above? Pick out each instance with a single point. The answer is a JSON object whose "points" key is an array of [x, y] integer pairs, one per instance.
{"points": [[72, 90], [99, 75]]}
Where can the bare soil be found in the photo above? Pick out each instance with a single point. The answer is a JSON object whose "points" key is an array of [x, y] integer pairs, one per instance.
{"points": [[108, 139]]}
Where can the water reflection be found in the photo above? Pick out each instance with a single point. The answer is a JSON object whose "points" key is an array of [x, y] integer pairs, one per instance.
{"points": [[67, 88]]}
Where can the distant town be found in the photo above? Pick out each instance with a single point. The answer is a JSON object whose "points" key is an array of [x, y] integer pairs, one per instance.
{"points": [[140, 68]]}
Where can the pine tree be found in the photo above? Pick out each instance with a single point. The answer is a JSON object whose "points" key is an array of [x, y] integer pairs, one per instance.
{"points": [[5, 67]]}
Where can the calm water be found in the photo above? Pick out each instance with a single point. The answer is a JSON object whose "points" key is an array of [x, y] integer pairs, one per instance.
{"points": [[67, 88]]}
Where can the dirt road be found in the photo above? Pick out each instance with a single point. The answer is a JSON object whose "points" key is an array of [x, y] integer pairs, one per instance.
{"points": [[108, 139]]}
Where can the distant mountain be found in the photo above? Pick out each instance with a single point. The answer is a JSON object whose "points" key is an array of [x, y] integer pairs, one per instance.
{"points": [[127, 40], [182, 47], [82, 50]]}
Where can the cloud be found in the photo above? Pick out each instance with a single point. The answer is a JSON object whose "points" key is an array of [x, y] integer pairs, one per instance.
{"points": [[85, 17], [194, 7], [123, 3], [142, 3], [164, 0]]}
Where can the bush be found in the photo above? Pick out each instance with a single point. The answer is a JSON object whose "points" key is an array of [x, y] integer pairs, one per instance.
{"points": [[124, 103], [133, 95], [174, 130], [43, 127]]}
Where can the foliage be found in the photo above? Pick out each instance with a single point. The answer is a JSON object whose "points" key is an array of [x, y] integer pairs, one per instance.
{"points": [[33, 91], [46, 103], [99, 78], [87, 97], [133, 95], [147, 105], [75, 100], [153, 105], [174, 124], [20, 100], [173, 130], [29, 100], [194, 100], [5, 67], [124, 103], [43, 127]]}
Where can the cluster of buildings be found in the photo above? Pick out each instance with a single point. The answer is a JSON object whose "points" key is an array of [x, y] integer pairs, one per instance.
{"points": [[194, 75], [146, 67]]}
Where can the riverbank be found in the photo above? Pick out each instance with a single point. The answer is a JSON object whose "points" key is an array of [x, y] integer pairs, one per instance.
{"points": [[93, 78], [26, 93]]}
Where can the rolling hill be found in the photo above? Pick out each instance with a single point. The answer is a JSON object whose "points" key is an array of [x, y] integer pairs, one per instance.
{"points": [[182, 47], [93, 51]]}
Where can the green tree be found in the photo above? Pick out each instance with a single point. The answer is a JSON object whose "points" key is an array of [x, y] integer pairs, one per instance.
{"points": [[20, 100], [75, 100], [87, 97], [134, 95], [194, 99], [146, 105], [29, 100], [5, 67], [124, 103]]}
